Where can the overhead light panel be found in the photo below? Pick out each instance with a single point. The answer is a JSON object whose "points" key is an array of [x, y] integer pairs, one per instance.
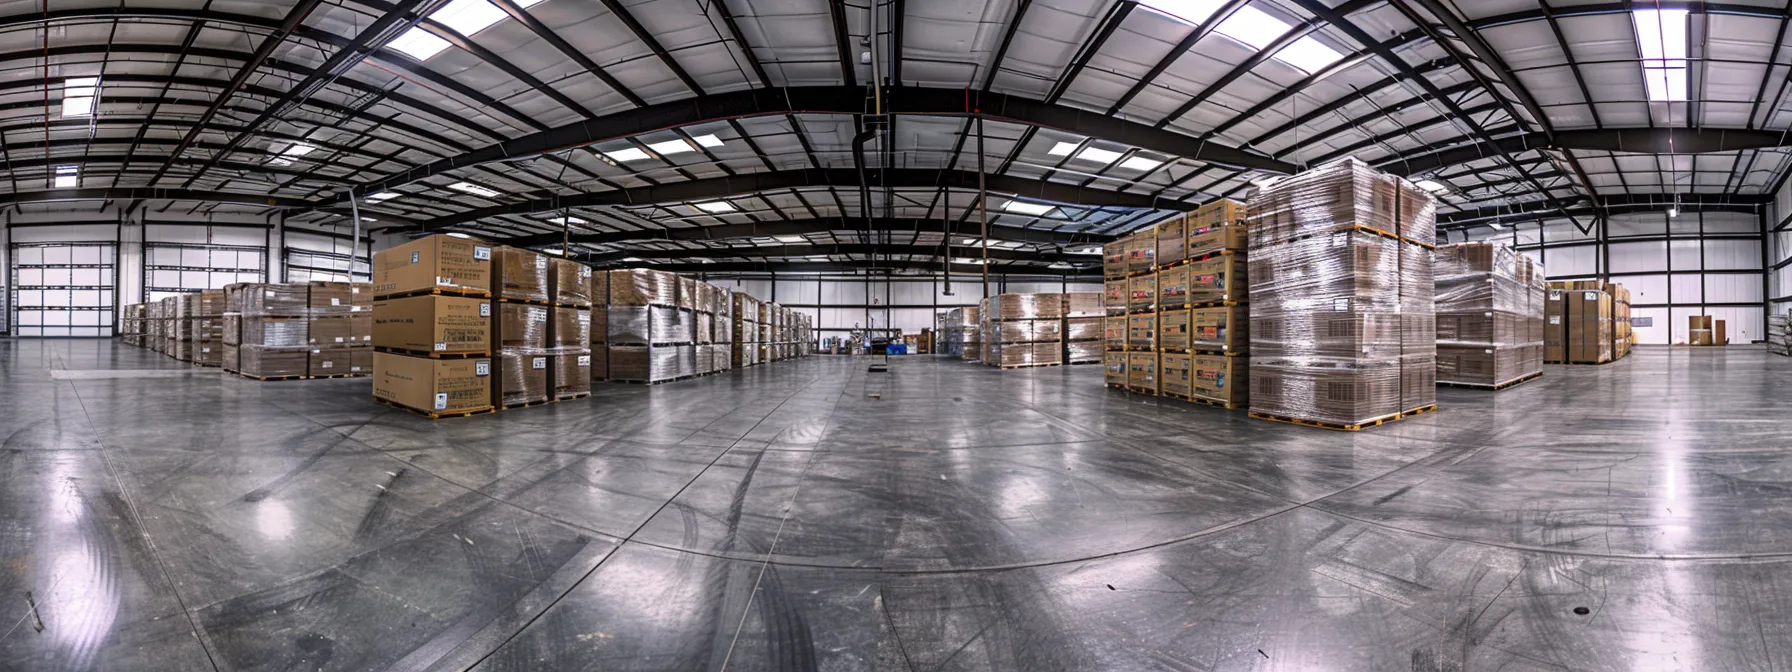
{"points": [[966, 260], [68, 177], [383, 196], [1064, 148], [1431, 186], [708, 140], [630, 154], [1309, 55], [1253, 26], [474, 189], [566, 220], [78, 96], [1092, 249], [461, 16], [632, 259], [297, 149], [791, 239], [419, 44], [1060, 264], [1025, 208], [1191, 12], [554, 251], [1097, 155], [670, 147], [1661, 37], [715, 206], [458, 234], [1140, 163]]}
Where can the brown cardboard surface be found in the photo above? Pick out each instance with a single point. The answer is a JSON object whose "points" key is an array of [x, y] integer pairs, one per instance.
{"points": [[1115, 363], [1141, 292], [1114, 331], [1173, 374], [571, 329], [519, 274], [1141, 371], [1115, 295], [520, 325], [1171, 242], [337, 361], [1225, 328], [1173, 288], [430, 323], [332, 331], [439, 261], [1220, 378], [522, 377], [1141, 330], [1213, 238], [569, 282], [570, 373], [432, 384], [1173, 330], [1221, 278], [1555, 327]]}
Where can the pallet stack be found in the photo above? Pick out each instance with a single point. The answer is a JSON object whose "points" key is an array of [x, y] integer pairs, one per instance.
{"points": [[649, 335], [1489, 316], [432, 323], [1578, 320], [1085, 328], [272, 335], [339, 329], [519, 329], [570, 288], [1026, 330], [1779, 335], [132, 324], [969, 336], [745, 327], [1623, 336], [1343, 330], [204, 328]]}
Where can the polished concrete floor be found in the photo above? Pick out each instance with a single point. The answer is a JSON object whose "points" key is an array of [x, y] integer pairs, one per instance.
{"points": [[808, 515]]}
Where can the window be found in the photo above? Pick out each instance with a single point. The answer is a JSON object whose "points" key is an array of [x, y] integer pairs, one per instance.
{"points": [[78, 96], [461, 16], [1035, 209], [566, 220], [716, 206], [1140, 163], [630, 154], [1661, 37], [1258, 29], [68, 177]]}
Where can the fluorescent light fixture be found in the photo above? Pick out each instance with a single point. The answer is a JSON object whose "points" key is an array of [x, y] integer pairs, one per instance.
{"points": [[78, 96], [1253, 27], [1097, 155], [458, 234], [1661, 37], [708, 140], [1005, 244], [1140, 163], [1673, 211], [383, 196], [554, 251], [632, 259], [68, 177], [566, 220], [1431, 186], [1034, 209], [967, 260], [715, 206], [1187, 11], [1063, 148], [277, 161], [1060, 264], [630, 154], [1309, 55], [1496, 226], [1092, 249], [670, 147], [297, 150], [474, 189], [792, 239], [468, 16], [370, 220], [418, 43], [817, 257]]}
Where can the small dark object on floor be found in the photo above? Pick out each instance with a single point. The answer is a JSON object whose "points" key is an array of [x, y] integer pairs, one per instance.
{"points": [[878, 368], [1582, 611]]}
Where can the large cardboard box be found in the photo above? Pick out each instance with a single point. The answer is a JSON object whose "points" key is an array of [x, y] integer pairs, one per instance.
{"points": [[1114, 259], [1589, 326], [570, 374], [435, 262], [1141, 372], [1555, 327], [1173, 374], [1115, 363], [1141, 292], [571, 328], [1221, 378], [1216, 238], [1114, 331], [1172, 243], [338, 298], [1173, 288], [1221, 278], [1141, 331], [332, 331], [569, 283], [522, 377], [1115, 295], [519, 274], [1141, 255], [339, 361], [1173, 330], [431, 323], [520, 325], [1221, 328], [433, 384]]}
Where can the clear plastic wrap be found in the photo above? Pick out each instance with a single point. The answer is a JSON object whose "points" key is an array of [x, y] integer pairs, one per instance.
{"points": [[1026, 354], [1339, 196], [1027, 331], [628, 325], [572, 372], [1115, 295], [1084, 328], [522, 274], [572, 329], [1083, 352], [1779, 335], [570, 282], [705, 332], [643, 287], [522, 376], [671, 325], [287, 300], [1027, 306], [521, 325], [1488, 315], [1083, 304]]}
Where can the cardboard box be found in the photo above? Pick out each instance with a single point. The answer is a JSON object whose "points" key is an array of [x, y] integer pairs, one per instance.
{"points": [[1173, 330], [264, 362], [1141, 253], [1220, 378], [1171, 242], [1114, 258], [1555, 327], [1173, 288], [571, 328], [435, 262], [1221, 278], [338, 361], [1141, 331], [1114, 332], [1173, 374], [433, 384], [431, 323], [570, 374], [332, 331], [1209, 239], [1115, 364], [331, 298], [522, 377], [520, 325], [1222, 328], [1115, 295], [519, 274], [569, 283], [1142, 292], [1141, 372]]}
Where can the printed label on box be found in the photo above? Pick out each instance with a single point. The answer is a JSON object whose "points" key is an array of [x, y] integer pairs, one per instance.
{"points": [[539, 363], [441, 400], [584, 360], [335, 301], [416, 257], [482, 252], [328, 365], [485, 310], [1555, 319], [338, 339], [482, 368], [1341, 305], [441, 346], [1591, 296], [541, 262]]}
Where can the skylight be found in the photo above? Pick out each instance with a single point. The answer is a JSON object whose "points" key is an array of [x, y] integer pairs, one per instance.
{"points": [[1097, 155], [1063, 148], [1661, 37], [474, 189], [1253, 27], [566, 220], [68, 177], [78, 94], [670, 147], [293, 151], [791, 239], [1431, 186], [383, 196], [1035, 209], [1308, 54], [553, 250], [461, 16], [708, 140], [630, 154], [1187, 11], [715, 206], [1140, 163]]}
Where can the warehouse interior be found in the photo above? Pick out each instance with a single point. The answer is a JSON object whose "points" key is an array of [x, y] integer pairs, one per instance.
{"points": [[1184, 335]]}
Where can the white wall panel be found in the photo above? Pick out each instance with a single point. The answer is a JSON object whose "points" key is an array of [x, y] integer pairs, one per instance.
{"points": [[1567, 262], [1732, 254], [1685, 255], [1731, 222], [1658, 332], [1638, 225], [1731, 288], [1645, 288], [75, 233], [1687, 289], [1638, 257], [1741, 325]]}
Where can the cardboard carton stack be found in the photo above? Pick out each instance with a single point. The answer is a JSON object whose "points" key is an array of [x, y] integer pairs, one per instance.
{"points": [[650, 336], [131, 324], [972, 334], [205, 328], [520, 325], [432, 324], [1026, 330], [272, 331], [569, 332], [1343, 331], [339, 329], [1779, 335], [1578, 319], [1203, 310], [1703, 330], [1489, 315], [1623, 337], [744, 350], [1085, 324]]}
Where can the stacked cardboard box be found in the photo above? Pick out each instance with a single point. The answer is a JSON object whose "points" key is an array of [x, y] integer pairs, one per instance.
{"points": [[745, 349], [972, 330], [1085, 325], [1578, 317], [650, 337], [1342, 324], [271, 333], [339, 329], [1489, 315], [1623, 337], [1026, 330], [1702, 330], [131, 324], [520, 326], [205, 313], [1779, 335], [569, 333], [432, 324]]}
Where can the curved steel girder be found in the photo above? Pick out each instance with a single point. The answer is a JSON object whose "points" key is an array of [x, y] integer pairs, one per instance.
{"points": [[1609, 205], [718, 187], [840, 100], [860, 267], [146, 194], [1625, 8], [862, 249], [38, 162], [795, 227], [1635, 140]]}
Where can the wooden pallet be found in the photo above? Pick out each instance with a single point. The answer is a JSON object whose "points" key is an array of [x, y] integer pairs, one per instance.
{"points": [[627, 381], [572, 397], [526, 302], [1204, 401], [1217, 304], [570, 304], [339, 375], [441, 291], [1196, 259], [267, 379], [1216, 352], [1117, 386], [430, 354], [524, 404], [1347, 427], [436, 415], [1092, 361], [1029, 366], [1479, 386]]}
